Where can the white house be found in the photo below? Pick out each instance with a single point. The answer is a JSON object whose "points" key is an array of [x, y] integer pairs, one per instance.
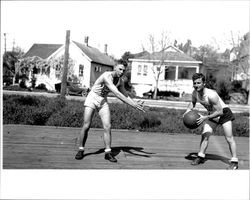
{"points": [[176, 75], [88, 62]]}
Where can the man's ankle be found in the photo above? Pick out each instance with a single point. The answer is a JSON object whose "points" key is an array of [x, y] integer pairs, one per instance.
{"points": [[107, 150], [81, 148]]}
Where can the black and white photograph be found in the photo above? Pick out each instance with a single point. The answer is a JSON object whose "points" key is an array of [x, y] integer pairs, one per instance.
{"points": [[125, 99]]}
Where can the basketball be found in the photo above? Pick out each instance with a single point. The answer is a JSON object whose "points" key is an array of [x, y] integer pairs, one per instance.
{"points": [[190, 119]]}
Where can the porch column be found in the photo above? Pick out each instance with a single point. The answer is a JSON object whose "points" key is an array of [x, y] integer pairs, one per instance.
{"points": [[197, 69], [176, 72]]}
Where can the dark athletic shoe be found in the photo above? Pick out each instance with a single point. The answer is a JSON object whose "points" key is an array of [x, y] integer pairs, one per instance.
{"points": [[233, 165], [79, 155], [110, 157], [198, 160]]}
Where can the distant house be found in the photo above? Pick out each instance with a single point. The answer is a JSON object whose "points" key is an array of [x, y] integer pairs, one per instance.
{"points": [[176, 75], [89, 62]]}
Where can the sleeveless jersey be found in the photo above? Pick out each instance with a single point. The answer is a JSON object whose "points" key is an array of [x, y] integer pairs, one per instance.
{"points": [[205, 101]]}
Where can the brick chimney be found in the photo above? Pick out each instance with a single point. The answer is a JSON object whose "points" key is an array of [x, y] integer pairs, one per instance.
{"points": [[86, 40], [106, 49]]}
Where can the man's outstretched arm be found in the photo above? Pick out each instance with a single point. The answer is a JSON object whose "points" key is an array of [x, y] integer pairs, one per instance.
{"points": [[121, 96]]}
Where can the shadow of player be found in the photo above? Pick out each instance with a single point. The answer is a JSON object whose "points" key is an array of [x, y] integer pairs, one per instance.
{"points": [[137, 151], [193, 155]]}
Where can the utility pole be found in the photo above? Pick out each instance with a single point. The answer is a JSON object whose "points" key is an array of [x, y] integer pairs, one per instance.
{"points": [[13, 47], [65, 65], [4, 42]]}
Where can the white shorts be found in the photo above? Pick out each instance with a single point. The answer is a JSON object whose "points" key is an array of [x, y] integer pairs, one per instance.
{"points": [[209, 126], [96, 101], [212, 124]]}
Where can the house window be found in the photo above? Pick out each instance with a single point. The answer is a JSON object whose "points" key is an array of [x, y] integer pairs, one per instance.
{"points": [[186, 72], [98, 69], [170, 72], [145, 70], [81, 69], [139, 70]]}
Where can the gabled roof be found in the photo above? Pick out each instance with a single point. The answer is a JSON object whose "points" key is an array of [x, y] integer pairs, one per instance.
{"points": [[95, 55], [45, 50], [169, 54], [42, 50], [138, 55]]}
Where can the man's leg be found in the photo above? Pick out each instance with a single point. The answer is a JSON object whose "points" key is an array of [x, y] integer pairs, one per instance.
{"points": [[207, 131], [104, 113], [88, 115], [227, 127]]}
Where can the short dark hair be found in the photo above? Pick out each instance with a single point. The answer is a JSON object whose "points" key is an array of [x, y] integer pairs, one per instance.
{"points": [[199, 75]]}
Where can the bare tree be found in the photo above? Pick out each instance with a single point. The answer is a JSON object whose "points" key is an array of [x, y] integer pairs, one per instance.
{"points": [[158, 56], [240, 58]]}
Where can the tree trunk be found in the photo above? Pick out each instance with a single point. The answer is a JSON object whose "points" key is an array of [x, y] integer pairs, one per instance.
{"points": [[155, 90], [248, 98], [65, 65]]}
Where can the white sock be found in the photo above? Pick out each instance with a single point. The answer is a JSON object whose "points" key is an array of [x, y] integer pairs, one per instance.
{"points": [[81, 148], [107, 150], [201, 155], [234, 159]]}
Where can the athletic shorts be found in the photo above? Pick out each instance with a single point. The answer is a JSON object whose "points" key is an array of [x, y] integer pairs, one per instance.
{"points": [[213, 123], [96, 101]]}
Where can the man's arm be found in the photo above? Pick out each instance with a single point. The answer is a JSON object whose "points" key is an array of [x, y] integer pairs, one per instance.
{"points": [[120, 95], [192, 104], [122, 89], [214, 100]]}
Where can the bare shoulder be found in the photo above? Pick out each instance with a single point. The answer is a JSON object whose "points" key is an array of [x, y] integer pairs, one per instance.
{"points": [[107, 75], [107, 78], [212, 95]]}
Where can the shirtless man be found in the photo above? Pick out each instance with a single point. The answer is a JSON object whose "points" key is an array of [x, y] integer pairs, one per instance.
{"points": [[218, 114], [97, 100]]}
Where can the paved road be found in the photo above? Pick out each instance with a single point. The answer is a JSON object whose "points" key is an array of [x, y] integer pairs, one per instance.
{"points": [[148, 102], [43, 147]]}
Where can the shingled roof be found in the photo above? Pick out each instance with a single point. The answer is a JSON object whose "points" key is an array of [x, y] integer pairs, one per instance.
{"points": [[42, 50], [45, 50], [168, 55], [95, 55]]}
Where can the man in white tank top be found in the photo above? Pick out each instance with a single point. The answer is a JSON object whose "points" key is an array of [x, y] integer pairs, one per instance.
{"points": [[218, 114], [111, 81]]}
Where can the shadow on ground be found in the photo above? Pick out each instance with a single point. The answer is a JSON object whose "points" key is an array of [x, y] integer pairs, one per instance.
{"points": [[137, 151], [193, 155]]}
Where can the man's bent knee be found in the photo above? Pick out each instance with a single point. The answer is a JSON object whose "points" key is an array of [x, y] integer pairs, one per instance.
{"points": [[206, 135], [230, 139], [107, 127]]}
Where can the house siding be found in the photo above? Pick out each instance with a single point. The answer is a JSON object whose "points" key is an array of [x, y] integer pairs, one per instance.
{"points": [[97, 70], [79, 58], [181, 82]]}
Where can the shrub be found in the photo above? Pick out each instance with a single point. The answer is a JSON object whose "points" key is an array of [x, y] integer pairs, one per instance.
{"points": [[223, 89], [28, 100], [22, 84], [39, 116], [41, 86], [34, 110], [56, 104], [70, 116]]}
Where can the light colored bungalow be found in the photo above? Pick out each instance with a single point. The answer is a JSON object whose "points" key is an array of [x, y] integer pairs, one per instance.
{"points": [[176, 76], [88, 62]]}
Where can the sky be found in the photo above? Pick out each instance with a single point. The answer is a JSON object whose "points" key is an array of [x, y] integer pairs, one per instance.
{"points": [[123, 25]]}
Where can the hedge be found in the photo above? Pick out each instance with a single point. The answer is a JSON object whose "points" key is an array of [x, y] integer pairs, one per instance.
{"points": [[40, 110]]}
